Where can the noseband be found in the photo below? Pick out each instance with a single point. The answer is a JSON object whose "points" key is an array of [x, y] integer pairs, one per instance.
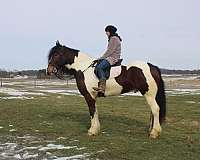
{"points": [[55, 71]]}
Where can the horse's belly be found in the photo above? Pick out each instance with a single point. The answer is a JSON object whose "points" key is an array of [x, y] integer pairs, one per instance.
{"points": [[112, 88]]}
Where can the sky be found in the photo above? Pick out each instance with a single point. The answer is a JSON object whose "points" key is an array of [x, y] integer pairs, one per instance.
{"points": [[165, 33]]}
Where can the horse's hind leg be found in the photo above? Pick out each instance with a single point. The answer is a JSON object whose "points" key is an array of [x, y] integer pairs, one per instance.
{"points": [[156, 128], [95, 125]]}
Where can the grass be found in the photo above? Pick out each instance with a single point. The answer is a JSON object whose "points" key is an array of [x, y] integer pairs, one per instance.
{"points": [[124, 126]]}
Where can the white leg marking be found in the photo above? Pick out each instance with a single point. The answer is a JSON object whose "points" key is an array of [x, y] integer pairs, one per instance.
{"points": [[95, 125], [155, 111]]}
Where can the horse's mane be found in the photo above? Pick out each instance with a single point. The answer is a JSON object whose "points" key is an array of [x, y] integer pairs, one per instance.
{"points": [[63, 49], [71, 49]]}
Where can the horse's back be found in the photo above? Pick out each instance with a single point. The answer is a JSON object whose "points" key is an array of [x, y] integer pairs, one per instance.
{"points": [[139, 64]]}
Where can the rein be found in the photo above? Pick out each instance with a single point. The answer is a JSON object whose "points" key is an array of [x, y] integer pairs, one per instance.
{"points": [[59, 74], [91, 65], [58, 71]]}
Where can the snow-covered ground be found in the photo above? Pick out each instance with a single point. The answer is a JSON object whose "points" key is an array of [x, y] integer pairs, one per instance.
{"points": [[29, 89], [15, 92], [37, 82], [20, 148], [173, 77]]}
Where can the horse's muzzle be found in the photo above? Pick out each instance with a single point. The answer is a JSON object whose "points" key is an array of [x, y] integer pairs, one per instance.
{"points": [[51, 70]]}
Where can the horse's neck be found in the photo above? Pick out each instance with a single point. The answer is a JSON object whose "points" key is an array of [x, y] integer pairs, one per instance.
{"points": [[81, 62]]}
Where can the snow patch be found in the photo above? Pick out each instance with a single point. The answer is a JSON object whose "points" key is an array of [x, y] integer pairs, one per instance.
{"points": [[190, 102], [12, 130], [80, 156], [132, 94], [54, 147], [14, 92], [183, 92], [17, 97]]}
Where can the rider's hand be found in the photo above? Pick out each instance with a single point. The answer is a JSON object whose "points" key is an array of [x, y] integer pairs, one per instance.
{"points": [[95, 61]]}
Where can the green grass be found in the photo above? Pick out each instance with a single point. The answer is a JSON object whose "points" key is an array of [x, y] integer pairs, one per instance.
{"points": [[124, 126], [3, 95]]}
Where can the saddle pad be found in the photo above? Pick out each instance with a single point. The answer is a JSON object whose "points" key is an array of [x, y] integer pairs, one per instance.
{"points": [[115, 71]]}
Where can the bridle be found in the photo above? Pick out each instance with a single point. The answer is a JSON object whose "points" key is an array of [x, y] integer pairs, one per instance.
{"points": [[56, 70]]}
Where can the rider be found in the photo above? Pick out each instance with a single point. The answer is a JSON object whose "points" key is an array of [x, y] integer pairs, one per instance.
{"points": [[110, 57]]}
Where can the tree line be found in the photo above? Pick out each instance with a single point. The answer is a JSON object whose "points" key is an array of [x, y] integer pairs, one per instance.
{"points": [[168, 71], [41, 74]]}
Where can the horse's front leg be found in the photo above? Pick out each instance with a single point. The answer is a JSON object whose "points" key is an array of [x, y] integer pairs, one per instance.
{"points": [[95, 125]]}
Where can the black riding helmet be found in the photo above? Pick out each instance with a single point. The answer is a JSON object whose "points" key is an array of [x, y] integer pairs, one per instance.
{"points": [[111, 29]]}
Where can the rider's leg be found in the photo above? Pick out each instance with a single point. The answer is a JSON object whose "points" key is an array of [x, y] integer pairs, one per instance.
{"points": [[100, 69]]}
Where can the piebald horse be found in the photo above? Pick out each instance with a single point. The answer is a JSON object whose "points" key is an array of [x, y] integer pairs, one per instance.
{"points": [[137, 76]]}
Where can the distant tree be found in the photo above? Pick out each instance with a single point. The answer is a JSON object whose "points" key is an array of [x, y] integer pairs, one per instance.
{"points": [[42, 74]]}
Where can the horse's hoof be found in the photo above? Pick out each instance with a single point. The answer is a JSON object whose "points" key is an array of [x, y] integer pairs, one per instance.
{"points": [[92, 134], [154, 134]]}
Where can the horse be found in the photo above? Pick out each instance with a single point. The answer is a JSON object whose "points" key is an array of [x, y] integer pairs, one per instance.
{"points": [[137, 76]]}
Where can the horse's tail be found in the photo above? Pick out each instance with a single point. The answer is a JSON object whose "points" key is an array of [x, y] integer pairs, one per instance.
{"points": [[160, 96], [161, 100]]}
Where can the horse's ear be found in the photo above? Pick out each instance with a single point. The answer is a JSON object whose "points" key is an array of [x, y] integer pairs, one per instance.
{"points": [[58, 43]]}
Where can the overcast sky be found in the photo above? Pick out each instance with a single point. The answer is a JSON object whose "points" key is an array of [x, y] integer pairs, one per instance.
{"points": [[165, 33]]}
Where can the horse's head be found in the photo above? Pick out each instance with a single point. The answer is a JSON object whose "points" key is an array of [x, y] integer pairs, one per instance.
{"points": [[55, 59], [59, 56]]}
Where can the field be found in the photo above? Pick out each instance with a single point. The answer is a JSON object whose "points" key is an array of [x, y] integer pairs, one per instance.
{"points": [[49, 120]]}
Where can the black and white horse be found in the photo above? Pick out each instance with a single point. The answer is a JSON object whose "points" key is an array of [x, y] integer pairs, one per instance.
{"points": [[137, 76]]}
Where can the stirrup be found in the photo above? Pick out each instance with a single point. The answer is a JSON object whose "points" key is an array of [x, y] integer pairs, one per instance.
{"points": [[97, 89]]}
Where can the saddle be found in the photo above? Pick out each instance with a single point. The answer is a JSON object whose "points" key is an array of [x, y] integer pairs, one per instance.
{"points": [[113, 71], [118, 63]]}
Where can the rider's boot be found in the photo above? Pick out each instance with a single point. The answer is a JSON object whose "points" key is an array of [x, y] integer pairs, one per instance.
{"points": [[101, 86]]}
